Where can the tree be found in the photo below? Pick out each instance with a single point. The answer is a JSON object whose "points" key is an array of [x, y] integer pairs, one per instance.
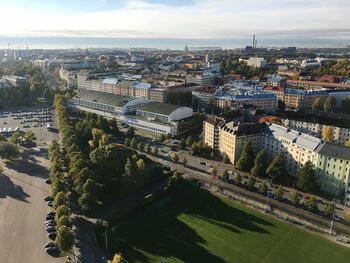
{"points": [[184, 160], [140, 146], [329, 210], [317, 104], [162, 137], [147, 148], [133, 143], [295, 199], [263, 188], [225, 176], [15, 137], [251, 182], [8, 150], [29, 137], [127, 142], [238, 178], [307, 181], [277, 169], [329, 104], [182, 144], [116, 259], [279, 192], [130, 133], [130, 168], [1, 169], [347, 144], [327, 133], [347, 217], [141, 165], [281, 105], [189, 141], [155, 151], [64, 221], [260, 164], [214, 172], [168, 136], [175, 157], [62, 210], [246, 160], [311, 204], [65, 238], [87, 201], [212, 155], [60, 199], [226, 159]]}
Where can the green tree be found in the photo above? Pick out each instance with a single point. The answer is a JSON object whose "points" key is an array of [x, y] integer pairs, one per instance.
{"points": [[64, 221], [311, 204], [15, 137], [238, 178], [329, 209], [329, 104], [133, 143], [317, 104], [214, 171], [8, 150], [147, 148], [251, 182], [155, 151], [141, 165], [260, 164], [62, 210], [175, 157], [184, 160], [212, 155], [127, 142], [347, 143], [65, 238], [87, 201], [281, 105], [60, 199], [162, 138], [277, 169], [295, 199], [29, 137], [189, 141], [263, 188], [168, 136], [226, 159], [246, 160], [225, 176], [307, 181], [182, 143], [130, 133], [140, 146], [347, 217], [279, 192]]}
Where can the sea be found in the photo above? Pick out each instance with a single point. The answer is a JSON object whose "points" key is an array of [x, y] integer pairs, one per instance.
{"points": [[49, 42]]}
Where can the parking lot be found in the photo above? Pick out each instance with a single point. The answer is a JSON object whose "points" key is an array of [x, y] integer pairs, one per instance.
{"points": [[39, 120]]}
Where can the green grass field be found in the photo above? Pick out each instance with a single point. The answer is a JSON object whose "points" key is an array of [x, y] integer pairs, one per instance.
{"points": [[201, 227]]}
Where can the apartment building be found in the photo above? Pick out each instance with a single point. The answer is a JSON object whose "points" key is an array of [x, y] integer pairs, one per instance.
{"points": [[158, 94], [203, 95], [211, 129], [340, 135]]}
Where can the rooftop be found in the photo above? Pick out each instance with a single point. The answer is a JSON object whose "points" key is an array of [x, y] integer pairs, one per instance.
{"points": [[101, 97], [334, 150], [160, 108]]}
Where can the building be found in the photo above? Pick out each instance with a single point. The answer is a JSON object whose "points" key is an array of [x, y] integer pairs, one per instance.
{"points": [[305, 84], [69, 77], [278, 91], [275, 80], [256, 62], [211, 129], [158, 94], [202, 96], [333, 169], [340, 135], [331, 161], [153, 117], [141, 90], [81, 64], [16, 80], [297, 99], [202, 79]]}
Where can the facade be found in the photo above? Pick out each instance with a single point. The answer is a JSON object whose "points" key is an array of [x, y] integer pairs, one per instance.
{"points": [[141, 90], [316, 84], [333, 169], [158, 94], [340, 135], [256, 62], [297, 99], [83, 64], [203, 96], [203, 79], [211, 129], [278, 91], [69, 77]]}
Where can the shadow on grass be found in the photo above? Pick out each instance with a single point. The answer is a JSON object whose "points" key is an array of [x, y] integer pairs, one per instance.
{"points": [[9, 189], [164, 231]]}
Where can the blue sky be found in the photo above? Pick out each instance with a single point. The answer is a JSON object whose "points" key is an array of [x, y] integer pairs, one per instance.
{"points": [[178, 18]]}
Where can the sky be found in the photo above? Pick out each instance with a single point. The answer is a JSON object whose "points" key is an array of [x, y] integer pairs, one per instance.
{"points": [[219, 19]]}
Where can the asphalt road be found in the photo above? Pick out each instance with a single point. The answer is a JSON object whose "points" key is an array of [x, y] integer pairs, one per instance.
{"points": [[23, 211]]}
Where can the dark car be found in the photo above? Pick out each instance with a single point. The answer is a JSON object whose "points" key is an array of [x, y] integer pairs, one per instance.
{"points": [[203, 163], [50, 228], [48, 181], [49, 244], [50, 217], [52, 213], [48, 198], [54, 251], [52, 235]]}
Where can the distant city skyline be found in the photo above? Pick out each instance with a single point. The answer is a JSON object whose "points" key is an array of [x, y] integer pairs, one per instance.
{"points": [[220, 19]]}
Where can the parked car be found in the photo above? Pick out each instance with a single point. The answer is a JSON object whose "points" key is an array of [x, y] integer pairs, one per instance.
{"points": [[49, 203], [49, 244], [50, 228], [52, 250], [48, 198], [48, 181], [52, 235]]}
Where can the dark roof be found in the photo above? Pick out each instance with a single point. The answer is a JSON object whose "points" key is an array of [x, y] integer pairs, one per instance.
{"points": [[101, 97], [216, 121], [334, 150], [160, 108], [244, 128]]}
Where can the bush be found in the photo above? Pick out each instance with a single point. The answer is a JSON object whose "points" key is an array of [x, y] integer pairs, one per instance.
{"points": [[8, 150]]}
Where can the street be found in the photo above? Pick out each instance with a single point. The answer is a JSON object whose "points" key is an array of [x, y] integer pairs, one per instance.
{"points": [[23, 211]]}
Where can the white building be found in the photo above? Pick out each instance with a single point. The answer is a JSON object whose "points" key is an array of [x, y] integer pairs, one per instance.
{"points": [[256, 62]]}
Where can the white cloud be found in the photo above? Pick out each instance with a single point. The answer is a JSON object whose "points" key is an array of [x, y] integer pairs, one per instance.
{"points": [[202, 19]]}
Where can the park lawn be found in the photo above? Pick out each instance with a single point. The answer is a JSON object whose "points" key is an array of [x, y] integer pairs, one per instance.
{"points": [[201, 227]]}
